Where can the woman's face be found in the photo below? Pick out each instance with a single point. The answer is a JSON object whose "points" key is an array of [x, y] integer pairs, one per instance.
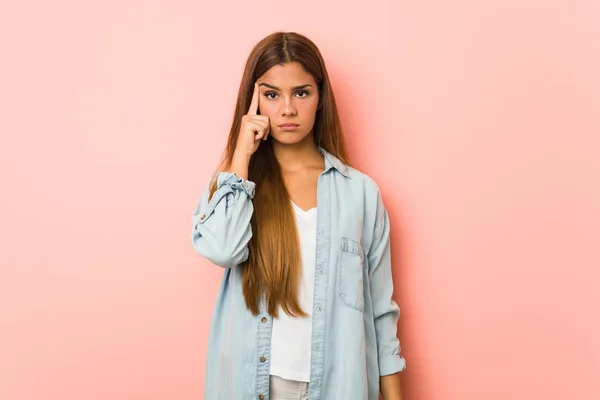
{"points": [[288, 94]]}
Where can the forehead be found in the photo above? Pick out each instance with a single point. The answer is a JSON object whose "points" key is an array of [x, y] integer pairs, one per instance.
{"points": [[286, 75]]}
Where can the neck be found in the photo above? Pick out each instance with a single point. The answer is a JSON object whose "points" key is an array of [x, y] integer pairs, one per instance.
{"points": [[298, 156]]}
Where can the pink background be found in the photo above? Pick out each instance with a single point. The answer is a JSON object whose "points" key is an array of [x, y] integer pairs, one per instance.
{"points": [[479, 120]]}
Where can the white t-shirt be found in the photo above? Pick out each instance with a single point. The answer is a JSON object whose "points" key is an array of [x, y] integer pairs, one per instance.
{"points": [[291, 336]]}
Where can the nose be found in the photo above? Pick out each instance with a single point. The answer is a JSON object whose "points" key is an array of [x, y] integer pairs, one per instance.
{"points": [[289, 107]]}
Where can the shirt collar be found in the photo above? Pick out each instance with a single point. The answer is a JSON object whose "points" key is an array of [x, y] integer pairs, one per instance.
{"points": [[333, 162]]}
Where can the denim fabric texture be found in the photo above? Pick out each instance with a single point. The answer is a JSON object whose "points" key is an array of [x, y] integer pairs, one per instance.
{"points": [[354, 328]]}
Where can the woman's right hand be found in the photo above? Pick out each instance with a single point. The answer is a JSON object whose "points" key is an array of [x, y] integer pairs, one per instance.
{"points": [[254, 128]]}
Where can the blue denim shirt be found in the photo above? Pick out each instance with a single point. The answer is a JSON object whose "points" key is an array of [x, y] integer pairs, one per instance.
{"points": [[354, 318]]}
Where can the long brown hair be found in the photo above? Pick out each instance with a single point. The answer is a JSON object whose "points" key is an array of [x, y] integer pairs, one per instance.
{"points": [[273, 266]]}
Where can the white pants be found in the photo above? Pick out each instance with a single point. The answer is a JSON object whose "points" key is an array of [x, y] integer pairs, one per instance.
{"points": [[285, 389]]}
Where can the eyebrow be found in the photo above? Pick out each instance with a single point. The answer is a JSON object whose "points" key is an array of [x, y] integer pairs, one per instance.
{"points": [[276, 88]]}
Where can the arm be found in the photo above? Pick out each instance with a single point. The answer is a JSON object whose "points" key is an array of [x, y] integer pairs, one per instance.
{"points": [[385, 310], [390, 387], [221, 226]]}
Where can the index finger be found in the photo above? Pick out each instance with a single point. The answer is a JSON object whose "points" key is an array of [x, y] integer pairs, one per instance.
{"points": [[254, 103]]}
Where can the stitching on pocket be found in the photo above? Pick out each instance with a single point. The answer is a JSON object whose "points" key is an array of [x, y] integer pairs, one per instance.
{"points": [[351, 252]]}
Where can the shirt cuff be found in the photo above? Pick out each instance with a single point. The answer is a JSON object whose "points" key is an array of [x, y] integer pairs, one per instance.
{"points": [[236, 182], [391, 364]]}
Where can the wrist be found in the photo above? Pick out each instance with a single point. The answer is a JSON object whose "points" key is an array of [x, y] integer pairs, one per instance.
{"points": [[241, 157], [239, 164]]}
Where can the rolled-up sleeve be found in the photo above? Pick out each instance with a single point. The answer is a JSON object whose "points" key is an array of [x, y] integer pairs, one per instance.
{"points": [[385, 310], [221, 226]]}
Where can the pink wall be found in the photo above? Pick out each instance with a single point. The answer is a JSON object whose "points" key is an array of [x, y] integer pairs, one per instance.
{"points": [[480, 121]]}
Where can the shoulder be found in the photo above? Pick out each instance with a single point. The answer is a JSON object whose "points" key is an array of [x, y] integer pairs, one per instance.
{"points": [[359, 198], [363, 181], [361, 211], [356, 187]]}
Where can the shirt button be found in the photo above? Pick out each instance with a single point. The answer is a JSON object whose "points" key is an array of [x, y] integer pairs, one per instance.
{"points": [[261, 396], [262, 359], [203, 216], [263, 320]]}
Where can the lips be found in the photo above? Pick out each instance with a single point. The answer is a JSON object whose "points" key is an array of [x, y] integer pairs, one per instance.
{"points": [[288, 125]]}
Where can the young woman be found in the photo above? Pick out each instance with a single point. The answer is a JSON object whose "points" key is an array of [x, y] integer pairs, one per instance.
{"points": [[305, 307]]}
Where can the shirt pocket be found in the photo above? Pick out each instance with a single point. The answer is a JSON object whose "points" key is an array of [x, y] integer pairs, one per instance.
{"points": [[351, 260]]}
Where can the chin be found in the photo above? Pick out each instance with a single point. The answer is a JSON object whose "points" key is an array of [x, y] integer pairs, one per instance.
{"points": [[289, 137]]}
